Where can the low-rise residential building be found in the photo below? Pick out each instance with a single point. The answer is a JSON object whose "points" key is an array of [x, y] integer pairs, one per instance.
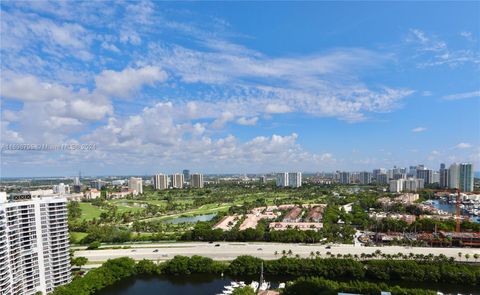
{"points": [[296, 225]]}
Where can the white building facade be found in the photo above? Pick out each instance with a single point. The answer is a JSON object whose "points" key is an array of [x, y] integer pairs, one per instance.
{"points": [[177, 180], [295, 179], [136, 184], [196, 180], [34, 244], [160, 181]]}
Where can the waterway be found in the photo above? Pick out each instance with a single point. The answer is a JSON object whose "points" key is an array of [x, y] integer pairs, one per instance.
{"points": [[192, 219], [450, 208], [211, 285]]}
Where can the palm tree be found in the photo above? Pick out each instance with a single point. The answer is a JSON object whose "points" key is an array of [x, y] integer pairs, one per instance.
{"points": [[290, 252], [467, 256], [460, 256], [284, 252], [318, 253], [276, 253], [312, 254], [476, 256]]}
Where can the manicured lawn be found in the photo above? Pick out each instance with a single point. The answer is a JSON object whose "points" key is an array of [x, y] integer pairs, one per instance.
{"points": [[77, 236], [89, 211]]}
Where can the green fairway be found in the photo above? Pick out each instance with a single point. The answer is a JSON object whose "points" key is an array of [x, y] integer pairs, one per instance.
{"points": [[77, 236], [89, 211]]}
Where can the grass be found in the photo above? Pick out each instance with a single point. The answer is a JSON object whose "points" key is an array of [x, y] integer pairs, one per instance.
{"points": [[89, 211], [77, 236]]}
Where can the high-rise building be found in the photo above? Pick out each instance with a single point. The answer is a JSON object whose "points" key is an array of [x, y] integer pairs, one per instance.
{"points": [[376, 172], [263, 179], [413, 184], [295, 179], [425, 174], [454, 176], [365, 177], [160, 181], [177, 180], [382, 178], [465, 178], [443, 176], [344, 177], [34, 244], [396, 186], [61, 189], [196, 180], [98, 184], [136, 184], [282, 179], [186, 175]]}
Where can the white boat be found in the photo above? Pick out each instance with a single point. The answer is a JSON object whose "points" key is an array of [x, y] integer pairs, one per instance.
{"points": [[264, 286], [235, 285], [254, 285], [227, 292], [281, 286]]}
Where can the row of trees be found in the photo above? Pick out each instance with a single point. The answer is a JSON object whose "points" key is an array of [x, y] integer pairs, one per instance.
{"points": [[358, 273], [320, 286], [431, 271]]}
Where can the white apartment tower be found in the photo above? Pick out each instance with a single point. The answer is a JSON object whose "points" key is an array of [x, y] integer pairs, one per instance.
{"points": [[196, 180], [177, 180], [160, 181], [454, 175], [34, 244], [295, 179], [282, 179], [136, 184]]}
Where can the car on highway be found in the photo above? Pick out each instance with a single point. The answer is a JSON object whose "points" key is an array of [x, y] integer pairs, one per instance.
{"points": [[134, 250], [164, 255], [259, 249], [328, 247], [217, 245], [156, 250]]}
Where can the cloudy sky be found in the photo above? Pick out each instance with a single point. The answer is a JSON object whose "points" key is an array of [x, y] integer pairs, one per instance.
{"points": [[238, 87]]}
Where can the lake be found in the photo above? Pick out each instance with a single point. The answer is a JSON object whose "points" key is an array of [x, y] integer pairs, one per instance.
{"points": [[210, 285], [192, 219]]}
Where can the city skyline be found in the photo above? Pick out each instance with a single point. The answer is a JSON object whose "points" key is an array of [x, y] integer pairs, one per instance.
{"points": [[230, 89]]}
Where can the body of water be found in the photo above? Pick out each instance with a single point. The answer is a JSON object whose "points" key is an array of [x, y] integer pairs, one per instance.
{"points": [[450, 208], [211, 285], [192, 219]]}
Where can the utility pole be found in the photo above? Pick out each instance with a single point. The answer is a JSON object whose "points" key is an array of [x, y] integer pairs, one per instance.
{"points": [[457, 207]]}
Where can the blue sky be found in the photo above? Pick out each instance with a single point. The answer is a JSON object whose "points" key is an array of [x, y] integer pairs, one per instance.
{"points": [[239, 86]]}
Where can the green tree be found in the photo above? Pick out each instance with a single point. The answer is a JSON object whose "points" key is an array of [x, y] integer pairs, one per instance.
{"points": [[79, 261]]}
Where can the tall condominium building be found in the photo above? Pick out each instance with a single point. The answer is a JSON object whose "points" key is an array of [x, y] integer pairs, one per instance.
{"points": [[425, 174], [376, 172], [465, 177], [34, 244], [443, 176], [396, 185], [160, 181], [344, 177], [186, 175], [454, 175], [295, 179], [196, 180], [365, 177], [61, 189], [98, 184], [382, 178], [282, 179], [136, 184], [413, 184], [177, 180]]}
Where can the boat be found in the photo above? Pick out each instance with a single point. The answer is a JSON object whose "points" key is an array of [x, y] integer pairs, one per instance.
{"points": [[264, 286], [281, 286], [254, 285]]}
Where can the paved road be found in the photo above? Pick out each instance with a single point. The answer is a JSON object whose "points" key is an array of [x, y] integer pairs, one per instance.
{"points": [[229, 251]]}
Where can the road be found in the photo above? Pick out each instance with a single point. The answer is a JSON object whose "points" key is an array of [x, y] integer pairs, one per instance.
{"points": [[230, 250]]}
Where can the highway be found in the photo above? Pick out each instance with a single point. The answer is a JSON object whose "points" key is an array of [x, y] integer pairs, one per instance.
{"points": [[230, 250]]}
